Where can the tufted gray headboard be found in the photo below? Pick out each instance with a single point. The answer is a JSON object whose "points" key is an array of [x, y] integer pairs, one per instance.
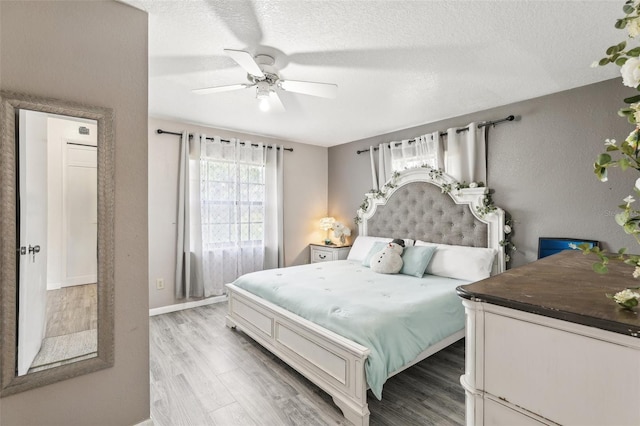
{"points": [[423, 204], [419, 210]]}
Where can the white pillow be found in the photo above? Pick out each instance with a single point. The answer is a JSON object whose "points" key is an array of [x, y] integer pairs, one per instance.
{"points": [[460, 262], [363, 244]]}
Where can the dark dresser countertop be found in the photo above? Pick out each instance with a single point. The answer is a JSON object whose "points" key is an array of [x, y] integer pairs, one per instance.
{"points": [[563, 286]]}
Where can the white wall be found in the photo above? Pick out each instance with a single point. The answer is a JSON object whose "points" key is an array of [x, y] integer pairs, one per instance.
{"points": [[305, 198], [93, 52]]}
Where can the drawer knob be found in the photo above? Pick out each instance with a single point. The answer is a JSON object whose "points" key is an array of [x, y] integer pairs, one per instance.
{"points": [[322, 256]]}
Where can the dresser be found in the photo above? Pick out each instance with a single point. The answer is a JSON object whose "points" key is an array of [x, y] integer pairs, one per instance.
{"points": [[325, 253], [545, 346]]}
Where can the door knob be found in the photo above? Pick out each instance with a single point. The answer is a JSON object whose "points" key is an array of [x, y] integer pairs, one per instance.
{"points": [[33, 250]]}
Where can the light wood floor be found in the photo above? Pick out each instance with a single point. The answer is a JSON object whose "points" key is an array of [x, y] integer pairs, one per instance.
{"points": [[72, 320], [72, 309], [203, 373]]}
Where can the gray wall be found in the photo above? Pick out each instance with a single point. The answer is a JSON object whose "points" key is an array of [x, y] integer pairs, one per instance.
{"points": [[540, 166], [305, 200], [93, 52]]}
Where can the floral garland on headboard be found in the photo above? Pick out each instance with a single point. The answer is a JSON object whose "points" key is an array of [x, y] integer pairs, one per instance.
{"points": [[447, 186]]}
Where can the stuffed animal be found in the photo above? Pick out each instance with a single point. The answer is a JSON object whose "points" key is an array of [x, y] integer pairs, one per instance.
{"points": [[389, 259]]}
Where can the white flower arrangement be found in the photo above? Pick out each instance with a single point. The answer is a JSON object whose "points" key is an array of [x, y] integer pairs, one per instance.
{"points": [[627, 153], [340, 231], [627, 298], [631, 72]]}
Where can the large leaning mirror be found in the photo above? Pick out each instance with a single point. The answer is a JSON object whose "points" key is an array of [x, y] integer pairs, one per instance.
{"points": [[56, 240]]}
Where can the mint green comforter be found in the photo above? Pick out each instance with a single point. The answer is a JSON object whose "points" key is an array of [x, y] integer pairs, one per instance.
{"points": [[395, 316]]}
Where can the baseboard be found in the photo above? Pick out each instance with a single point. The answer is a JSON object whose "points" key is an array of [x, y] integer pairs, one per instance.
{"points": [[186, 305], [148, 422]]}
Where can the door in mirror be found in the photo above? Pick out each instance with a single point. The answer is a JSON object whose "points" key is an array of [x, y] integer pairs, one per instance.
{"points": [[57, 197]]}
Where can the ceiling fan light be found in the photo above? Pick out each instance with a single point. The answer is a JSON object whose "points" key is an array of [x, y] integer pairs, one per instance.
{"points": [[262, 90], [263, 104]]}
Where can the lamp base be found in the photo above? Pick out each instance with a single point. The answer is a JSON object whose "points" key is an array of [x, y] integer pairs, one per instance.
{"points": [[328, 242]]}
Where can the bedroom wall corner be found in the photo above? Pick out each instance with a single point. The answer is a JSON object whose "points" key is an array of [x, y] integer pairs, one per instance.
{"points": [[305, 197], [540, 166], [349, 180], [94, 53]]}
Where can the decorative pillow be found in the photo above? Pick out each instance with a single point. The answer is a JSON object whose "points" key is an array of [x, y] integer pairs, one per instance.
{"points": [[362, 246], [389, 259], [460, 262], [416, 260], [377, 247]]}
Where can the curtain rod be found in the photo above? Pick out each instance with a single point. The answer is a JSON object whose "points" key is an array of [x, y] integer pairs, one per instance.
{"points": [[160, 131], [486, 123]]}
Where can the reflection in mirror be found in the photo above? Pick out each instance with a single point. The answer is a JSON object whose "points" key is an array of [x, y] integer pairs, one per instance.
{"points": [[56, 240], [57, 275]]}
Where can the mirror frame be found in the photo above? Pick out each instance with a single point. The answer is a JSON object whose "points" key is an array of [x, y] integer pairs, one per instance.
{"points": [[10, 383]]}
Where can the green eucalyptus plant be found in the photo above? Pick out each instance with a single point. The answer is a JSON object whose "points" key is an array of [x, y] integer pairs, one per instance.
{"points": [[626, 155]]}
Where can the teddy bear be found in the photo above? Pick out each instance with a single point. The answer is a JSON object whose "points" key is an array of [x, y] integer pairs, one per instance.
{"points": [[389, 259]]}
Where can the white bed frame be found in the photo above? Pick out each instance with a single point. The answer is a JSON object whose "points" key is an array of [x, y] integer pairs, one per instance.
{"points": [[332, 362]]}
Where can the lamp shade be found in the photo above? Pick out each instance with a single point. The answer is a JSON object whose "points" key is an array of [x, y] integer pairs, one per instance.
{"points": [[326, 223]]}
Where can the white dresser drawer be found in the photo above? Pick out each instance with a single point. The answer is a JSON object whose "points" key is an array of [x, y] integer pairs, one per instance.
{"points": [[496, 414], [550, 371], [319, 255], [327, 253]]}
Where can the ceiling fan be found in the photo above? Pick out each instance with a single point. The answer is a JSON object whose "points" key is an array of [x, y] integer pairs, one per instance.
{"points": [[264, 77]]}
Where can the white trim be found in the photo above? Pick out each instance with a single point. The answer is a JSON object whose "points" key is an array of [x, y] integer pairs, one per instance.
{"points": [[187, 305], [148, 422]]}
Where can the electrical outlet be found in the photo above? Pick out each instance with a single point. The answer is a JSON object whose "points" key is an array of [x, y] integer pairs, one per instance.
{"points": [[160, 284]]}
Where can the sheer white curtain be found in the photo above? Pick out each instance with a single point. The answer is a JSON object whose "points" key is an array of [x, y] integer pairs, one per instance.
{"points": [[230, 213], [425, 149], [395, 156], [466, 158], [463, 155], [241, 187]]}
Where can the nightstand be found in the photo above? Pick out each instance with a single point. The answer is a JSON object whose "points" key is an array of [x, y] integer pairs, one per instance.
{"points": [[325, 253]]}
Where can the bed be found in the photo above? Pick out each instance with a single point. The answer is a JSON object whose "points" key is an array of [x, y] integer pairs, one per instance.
{"points": [[422, 205]]}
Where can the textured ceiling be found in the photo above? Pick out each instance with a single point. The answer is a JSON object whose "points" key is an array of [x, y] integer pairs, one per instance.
{"points": [[397, 64]]}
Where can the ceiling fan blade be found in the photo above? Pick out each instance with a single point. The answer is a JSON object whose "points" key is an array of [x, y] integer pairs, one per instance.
{"points": [[323, 90], [217, 89], [276, 102], [246, 61]]}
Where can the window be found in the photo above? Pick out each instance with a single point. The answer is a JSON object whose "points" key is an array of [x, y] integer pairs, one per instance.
{"points": [[232, 203], [424, 150]]}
